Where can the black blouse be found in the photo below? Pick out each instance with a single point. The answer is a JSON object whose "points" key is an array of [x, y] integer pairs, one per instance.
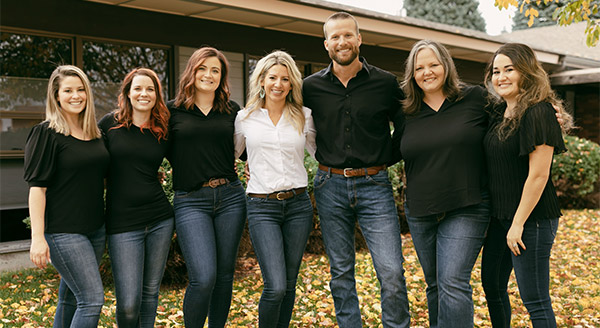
{"points": [[73, 172], [201, 146], [508, 161], [134, 197], [443, 154]]}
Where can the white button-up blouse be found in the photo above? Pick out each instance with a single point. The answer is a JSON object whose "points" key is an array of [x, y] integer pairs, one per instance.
{"points": [[275, 152]]}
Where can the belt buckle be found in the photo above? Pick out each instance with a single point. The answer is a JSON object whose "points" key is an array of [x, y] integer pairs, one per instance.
{"points": [[280, 195], [214, 183], [346, 170]]}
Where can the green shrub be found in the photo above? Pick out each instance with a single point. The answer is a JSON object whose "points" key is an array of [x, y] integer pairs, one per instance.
{"points": [[575, 174]]}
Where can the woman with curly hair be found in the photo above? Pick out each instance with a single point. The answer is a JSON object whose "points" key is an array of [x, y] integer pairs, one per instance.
{"points": [[523, 137], [139, 218]]}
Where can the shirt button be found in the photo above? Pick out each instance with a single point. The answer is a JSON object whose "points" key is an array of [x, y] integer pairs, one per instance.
{"points": [[347, 129], [347, 112], [348, 146], [347, 96]]}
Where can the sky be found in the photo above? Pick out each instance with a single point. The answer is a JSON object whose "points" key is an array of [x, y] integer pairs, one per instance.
{"points": [[496, 20]]}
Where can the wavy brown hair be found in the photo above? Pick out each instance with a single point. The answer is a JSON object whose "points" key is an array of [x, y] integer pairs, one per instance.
{"points": [[187, 91], [534, 87], [159, 115], [413, 94]]}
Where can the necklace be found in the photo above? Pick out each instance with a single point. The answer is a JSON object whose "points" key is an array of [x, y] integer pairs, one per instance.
{"points": [[205, 110]]}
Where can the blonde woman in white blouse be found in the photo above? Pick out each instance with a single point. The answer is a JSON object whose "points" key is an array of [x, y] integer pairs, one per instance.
{"points": [[275, 129]]}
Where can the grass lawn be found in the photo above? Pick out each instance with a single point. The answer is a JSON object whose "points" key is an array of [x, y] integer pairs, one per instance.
{"points": [[28, 297]]}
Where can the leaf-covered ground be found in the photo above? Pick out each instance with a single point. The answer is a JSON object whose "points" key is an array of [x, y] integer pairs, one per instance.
{"points": [[28, 298]]}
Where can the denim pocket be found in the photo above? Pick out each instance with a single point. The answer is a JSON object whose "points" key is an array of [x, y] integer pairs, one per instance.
{"points": [[235, 185], [182, 194], [380, 179], [321, 179]]}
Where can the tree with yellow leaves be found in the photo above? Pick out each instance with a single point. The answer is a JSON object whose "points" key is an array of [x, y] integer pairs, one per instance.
{"points": [[567, 12]]}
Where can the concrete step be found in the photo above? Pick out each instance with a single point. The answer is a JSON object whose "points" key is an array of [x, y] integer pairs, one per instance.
{"points": [[14, 255]]}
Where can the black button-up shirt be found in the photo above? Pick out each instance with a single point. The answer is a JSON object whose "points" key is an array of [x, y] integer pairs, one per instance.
{"points": [[353, 122]]}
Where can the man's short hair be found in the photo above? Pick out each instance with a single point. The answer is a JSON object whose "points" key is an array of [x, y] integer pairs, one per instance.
{"points": [[337, 16]]}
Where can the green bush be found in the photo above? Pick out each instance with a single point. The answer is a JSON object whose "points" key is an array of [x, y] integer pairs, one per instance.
{"points": [[575, 174]]}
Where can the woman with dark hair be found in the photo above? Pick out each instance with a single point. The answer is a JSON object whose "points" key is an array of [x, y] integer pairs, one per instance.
{"points": [[519, 147], [65, 165], [139, 218], [275, 129], [447, 200], [209, 201]]}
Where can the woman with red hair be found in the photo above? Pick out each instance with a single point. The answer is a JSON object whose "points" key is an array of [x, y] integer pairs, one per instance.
{"points": [[209, 201], [139, 218]]}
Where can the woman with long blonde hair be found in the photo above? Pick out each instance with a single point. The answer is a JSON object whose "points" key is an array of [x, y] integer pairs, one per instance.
{"points": [[275, 129], [65, 165], [523, 137]]}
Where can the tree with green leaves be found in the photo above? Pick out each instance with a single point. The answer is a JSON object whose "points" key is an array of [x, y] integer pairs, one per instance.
{"points": [[462, 13], [545, 15], [565, 13]]}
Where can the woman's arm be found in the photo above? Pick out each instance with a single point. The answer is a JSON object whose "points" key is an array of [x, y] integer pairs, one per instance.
{"points": [[39, 252], [540, 161]]}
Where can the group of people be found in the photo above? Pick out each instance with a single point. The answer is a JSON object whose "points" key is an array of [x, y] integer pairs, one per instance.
{"points": [[477, 166]]}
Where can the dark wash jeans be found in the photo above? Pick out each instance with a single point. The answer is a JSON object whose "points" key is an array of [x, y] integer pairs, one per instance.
{"points": [[209, 224], [80, 293], [447, 245], [138, 260], [342, 202], [279, 230], [532, 270]]}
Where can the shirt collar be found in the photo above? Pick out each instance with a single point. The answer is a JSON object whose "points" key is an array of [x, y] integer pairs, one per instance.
{"points": [[365, 67]]}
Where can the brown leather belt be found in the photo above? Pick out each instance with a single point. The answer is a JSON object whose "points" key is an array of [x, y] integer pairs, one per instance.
{"points": [[350, 172], [280, 195], [215, 182]]}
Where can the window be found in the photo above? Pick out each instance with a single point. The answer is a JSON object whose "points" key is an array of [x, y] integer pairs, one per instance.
{"points": [[27, 62]]}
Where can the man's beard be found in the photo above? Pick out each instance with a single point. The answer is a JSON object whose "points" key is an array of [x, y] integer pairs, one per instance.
{"points": [[348, 60]]}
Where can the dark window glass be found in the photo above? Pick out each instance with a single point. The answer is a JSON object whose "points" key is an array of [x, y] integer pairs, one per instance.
{"points": [[106, 64], [27, 62]]}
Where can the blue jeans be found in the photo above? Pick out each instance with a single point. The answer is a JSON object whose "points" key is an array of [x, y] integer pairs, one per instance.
{"points": [[80, 293], [532, 269], [279, 230], [370, 201], [447, 245], [209, 223], [138, 260]]}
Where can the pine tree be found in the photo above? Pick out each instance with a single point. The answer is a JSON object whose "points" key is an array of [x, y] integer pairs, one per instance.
{"points": [[545, 15], [461, 13]]}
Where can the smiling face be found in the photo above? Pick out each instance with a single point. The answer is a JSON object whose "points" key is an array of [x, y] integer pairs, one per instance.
{"points": [[208, 75], [71, 97], [342, 41], [505, 78], [429, 71], [276, 83], [142, 93]]}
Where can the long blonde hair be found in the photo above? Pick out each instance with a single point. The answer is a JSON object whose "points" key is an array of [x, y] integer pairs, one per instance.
{"points": [[534, 87], [414, 95], [293, 102], [54, 114]]}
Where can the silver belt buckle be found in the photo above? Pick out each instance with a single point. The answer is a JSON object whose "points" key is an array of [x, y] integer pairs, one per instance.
{"points": [[346, 174]]}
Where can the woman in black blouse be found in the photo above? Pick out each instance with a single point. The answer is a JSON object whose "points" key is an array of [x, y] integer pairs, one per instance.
{"points": [[65, 165], [209, 201], [447, 202], [139, 218], [519, 146]]}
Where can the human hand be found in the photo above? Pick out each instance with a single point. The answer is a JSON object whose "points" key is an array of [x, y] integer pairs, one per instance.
{"points": [[513, 239], [39, 253]]}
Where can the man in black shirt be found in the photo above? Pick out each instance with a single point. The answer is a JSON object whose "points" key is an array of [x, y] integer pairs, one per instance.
{"points": [[352, 104]]}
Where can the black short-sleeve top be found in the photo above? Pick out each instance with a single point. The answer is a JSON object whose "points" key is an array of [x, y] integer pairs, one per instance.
{"points": [[134, 196], [443, 154], [72, 171], [201, 146], [508, 161]]}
